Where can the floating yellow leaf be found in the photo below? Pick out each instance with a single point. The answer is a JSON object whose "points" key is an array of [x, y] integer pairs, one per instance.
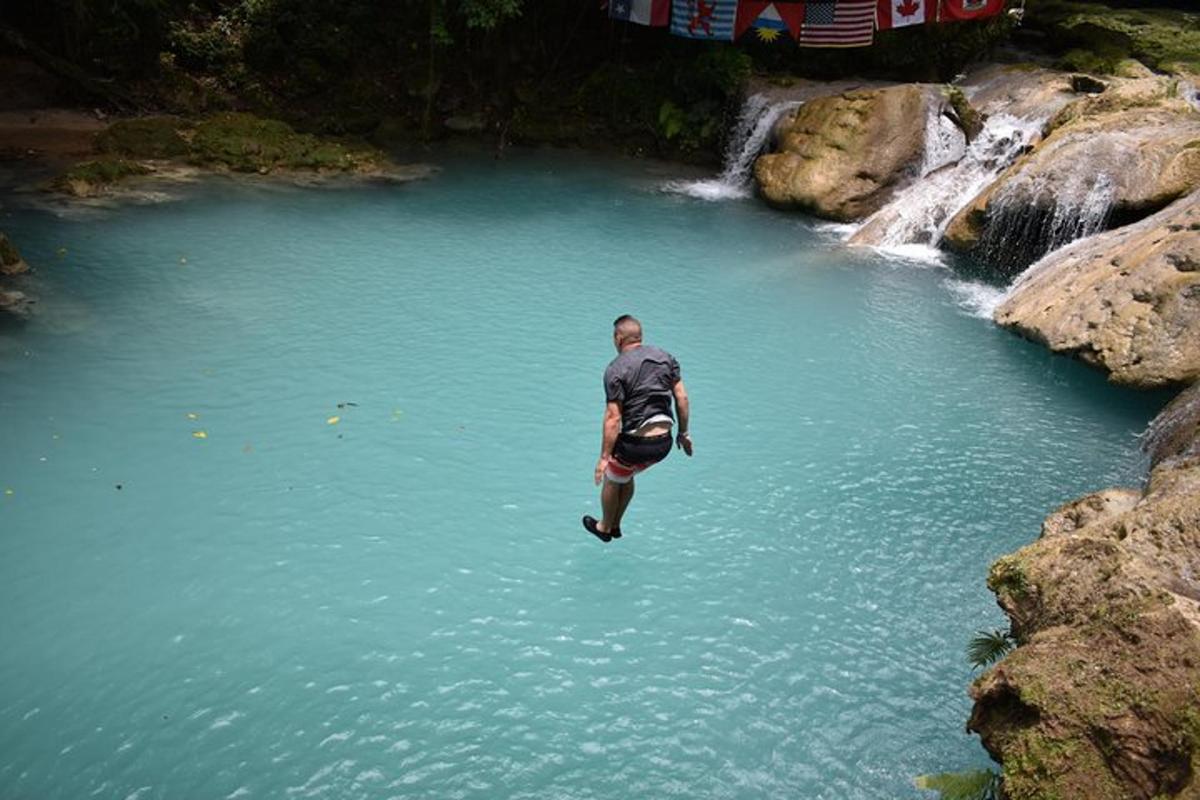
{"points": [[333, 420], [192, 415], [200, 434]]}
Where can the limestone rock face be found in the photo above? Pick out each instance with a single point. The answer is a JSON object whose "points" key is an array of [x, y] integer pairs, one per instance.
{"points": [[1101, 699], [1111, 157], [842, 157], [1019, 91], [1127, 301]]}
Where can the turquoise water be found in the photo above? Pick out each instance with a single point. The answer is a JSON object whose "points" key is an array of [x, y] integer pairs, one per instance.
{"points": [[402, 603]]}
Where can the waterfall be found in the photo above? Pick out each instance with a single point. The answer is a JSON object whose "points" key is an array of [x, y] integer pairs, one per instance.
{"points": [[919, 214], [756, 121], [1031, 218]]}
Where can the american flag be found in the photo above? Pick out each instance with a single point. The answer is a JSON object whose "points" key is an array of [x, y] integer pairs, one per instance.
{"points": [[844, 23]]}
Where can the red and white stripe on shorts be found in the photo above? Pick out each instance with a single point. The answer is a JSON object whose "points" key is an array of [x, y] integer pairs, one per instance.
{"points": [[622, 473]]}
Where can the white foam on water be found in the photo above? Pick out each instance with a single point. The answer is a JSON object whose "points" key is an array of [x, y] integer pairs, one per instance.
{"points": [[945, 143], [977, 299], [917, 254], [751, 134]]}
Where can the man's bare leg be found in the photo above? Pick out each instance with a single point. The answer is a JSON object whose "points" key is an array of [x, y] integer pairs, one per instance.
{"points": [[610, 504], [626, 496]]}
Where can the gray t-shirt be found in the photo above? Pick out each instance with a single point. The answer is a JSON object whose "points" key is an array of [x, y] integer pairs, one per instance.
{"points": [[641, 380]]}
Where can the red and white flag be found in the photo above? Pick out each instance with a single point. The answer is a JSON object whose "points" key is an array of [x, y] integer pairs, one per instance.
{"points": [[952, 10], [902, 13], [643, 12], [845, 23]]}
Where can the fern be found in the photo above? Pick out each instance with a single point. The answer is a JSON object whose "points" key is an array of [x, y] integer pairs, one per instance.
{"points": [[981, 784], [988, 648]]}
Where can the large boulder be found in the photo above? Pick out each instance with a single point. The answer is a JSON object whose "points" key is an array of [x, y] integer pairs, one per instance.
{"points": [[1127, 301], [842, 157], [1109, 159], [1101, 698]]}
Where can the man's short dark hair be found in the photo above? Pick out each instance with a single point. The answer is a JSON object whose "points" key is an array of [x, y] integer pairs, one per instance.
{"points": [[627, 328]]}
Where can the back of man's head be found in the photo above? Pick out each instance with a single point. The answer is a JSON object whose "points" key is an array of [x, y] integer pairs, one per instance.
{"points": [[627, 329]]}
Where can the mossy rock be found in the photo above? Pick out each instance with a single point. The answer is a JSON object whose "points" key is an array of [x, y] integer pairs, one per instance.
{"points": [[11, 262], [1098, 39], [90, 178], [247, 143], [146, 137]]}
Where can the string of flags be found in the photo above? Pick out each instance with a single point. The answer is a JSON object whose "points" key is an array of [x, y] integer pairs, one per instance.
{"points": [[815, 23]]}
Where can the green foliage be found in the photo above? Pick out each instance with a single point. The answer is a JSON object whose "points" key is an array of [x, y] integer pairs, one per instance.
{"points": [[671, 120], [487, 14], [986, 648], [1092, 37], [1008, 575], [146, 137], [973, 785]]}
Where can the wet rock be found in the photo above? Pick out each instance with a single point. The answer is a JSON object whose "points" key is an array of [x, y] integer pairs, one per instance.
{"points": [[1024, 91], [1087, 84], [15, 303], [842, 157], [1140, 143], [11, 262], [1119, 300], [1101, 699], [1175, 433]]}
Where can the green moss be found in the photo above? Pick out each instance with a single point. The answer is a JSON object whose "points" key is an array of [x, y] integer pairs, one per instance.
{"points": [[100, 172], [146, 137], [1008, 575], [247, 143], [1097, 38], [970, 119]]}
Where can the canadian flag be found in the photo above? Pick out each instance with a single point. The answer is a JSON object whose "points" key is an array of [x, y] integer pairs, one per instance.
{"points": [[901, 13], [969, 9]]}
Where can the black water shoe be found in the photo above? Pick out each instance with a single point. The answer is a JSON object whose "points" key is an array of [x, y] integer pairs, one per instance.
{"points": [[592, 526]]}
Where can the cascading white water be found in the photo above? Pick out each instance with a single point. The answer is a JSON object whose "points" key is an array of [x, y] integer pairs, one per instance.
{"points": [[1032, 217], [919, 214], [751, 134], [945, 143]]}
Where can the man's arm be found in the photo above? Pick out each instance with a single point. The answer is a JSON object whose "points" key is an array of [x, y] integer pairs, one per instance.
{"points": [[683, 410], [612, 428]]}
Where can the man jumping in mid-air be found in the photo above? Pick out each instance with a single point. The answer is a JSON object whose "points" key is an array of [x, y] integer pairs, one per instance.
{"points": [[638, 387]]}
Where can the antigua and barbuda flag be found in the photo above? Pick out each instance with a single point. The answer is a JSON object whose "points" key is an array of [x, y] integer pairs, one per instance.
{"points": [[770, 20], [902, 13], [952, 10], [643, 12], [704, 19], [845, 23]]}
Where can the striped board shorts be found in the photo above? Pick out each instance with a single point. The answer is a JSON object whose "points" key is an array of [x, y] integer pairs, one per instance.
{"points": [[634, 454]]}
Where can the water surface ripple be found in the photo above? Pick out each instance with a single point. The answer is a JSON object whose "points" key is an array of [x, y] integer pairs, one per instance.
{"points": [[401, 603]]}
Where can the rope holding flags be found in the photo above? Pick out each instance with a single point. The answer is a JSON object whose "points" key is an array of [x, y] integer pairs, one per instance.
{"points": [[812, 23]]}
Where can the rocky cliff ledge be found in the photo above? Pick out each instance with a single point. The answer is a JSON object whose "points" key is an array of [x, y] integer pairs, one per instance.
{"points": [[1127, 301], [1101, 699]]}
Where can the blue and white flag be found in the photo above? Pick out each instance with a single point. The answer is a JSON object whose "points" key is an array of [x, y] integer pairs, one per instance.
{"points": [[704, 19]]}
